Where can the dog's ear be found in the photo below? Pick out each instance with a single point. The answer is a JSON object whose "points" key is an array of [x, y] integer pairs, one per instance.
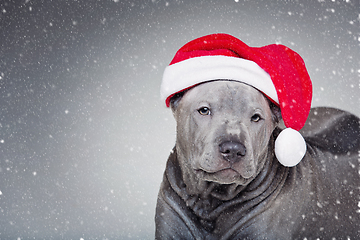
{"points": [[174, 100], [275, 111]]}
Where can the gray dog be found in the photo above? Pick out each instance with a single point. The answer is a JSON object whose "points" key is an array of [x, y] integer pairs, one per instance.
{"points": [[224, 181]]}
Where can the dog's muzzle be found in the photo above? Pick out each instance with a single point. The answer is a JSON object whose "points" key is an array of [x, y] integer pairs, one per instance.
{"points": [[232, 151]]}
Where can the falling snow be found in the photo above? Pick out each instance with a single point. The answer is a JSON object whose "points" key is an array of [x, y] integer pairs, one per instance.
{"points": [[84, 137]]}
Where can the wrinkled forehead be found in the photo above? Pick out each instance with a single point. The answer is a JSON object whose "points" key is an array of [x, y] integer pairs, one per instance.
{"points": [[226, 93]]}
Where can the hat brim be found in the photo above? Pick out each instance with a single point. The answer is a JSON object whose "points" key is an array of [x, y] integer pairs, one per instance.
{"points": [[193, 71]]}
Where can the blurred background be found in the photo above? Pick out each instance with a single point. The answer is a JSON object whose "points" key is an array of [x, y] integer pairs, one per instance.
{"points": [[84, 137]]}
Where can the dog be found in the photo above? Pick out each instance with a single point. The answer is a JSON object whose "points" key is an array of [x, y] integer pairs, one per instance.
{"points": [[252, 160], [223, 181]]}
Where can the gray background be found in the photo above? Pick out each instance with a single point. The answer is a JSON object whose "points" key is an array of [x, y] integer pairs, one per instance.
{"points": [[83, 135]]}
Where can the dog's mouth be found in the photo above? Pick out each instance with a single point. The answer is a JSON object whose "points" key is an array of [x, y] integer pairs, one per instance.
{"points": [[227, 169], [223, 176]]}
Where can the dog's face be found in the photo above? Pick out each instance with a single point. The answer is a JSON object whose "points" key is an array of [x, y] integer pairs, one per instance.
{"points": [[223, 131]]}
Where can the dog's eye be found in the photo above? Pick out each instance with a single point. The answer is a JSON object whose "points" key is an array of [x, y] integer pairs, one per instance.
{"points": [[256, 118], [204, 111]]}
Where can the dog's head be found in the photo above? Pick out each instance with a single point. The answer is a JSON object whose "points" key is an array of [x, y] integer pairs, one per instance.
{"points": [[223, 131]]}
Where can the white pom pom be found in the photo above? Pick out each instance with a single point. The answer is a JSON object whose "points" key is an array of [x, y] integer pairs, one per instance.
{"points": [[290, 147]]}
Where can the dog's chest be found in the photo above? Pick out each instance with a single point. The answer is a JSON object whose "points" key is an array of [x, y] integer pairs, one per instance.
{"points": [[247, 220]]}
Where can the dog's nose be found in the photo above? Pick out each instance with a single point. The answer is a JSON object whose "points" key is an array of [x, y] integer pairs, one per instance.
{"points": [[232, 151]]}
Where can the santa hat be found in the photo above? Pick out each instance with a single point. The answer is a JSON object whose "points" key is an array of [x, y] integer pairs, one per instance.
{"points": [[275, 70]]}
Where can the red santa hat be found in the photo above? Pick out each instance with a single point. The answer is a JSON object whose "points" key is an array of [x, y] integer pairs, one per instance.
{"points": [[275, 70]]}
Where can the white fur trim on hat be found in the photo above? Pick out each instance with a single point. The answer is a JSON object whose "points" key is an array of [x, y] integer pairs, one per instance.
{"points": [[192, 71]]}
